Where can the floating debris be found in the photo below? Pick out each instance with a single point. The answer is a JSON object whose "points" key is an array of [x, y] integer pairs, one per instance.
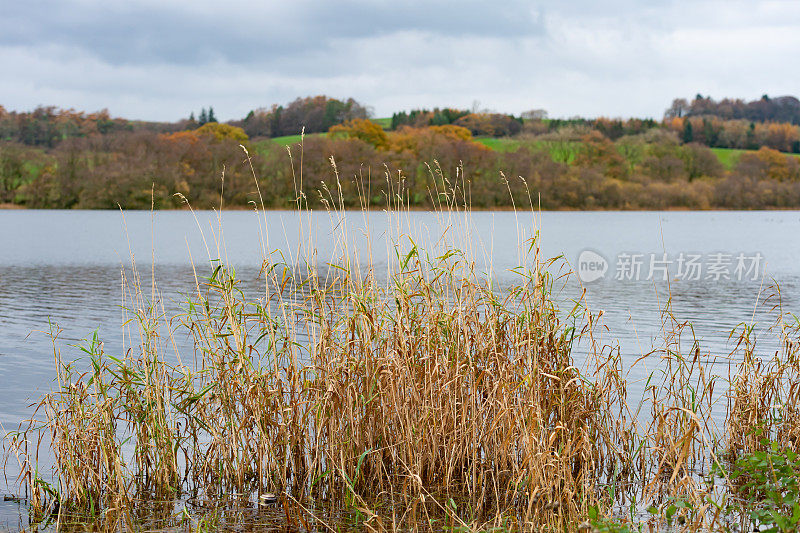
{"points": [[267, 498]]}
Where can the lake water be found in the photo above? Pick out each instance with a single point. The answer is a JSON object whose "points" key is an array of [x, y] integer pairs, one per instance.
{"points": [[64, 267]]}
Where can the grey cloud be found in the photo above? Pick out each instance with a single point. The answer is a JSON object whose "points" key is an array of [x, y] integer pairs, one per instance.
{"points": [[131, 33], [158, 59]]}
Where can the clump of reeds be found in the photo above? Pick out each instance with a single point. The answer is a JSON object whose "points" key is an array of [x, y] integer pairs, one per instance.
{"points": [[428, 386], [763, 404]]}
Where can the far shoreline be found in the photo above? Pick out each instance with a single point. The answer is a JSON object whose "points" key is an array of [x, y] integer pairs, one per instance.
{"points": [[501, 209]]}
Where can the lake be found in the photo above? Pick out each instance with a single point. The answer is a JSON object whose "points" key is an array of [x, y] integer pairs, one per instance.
{"points": [[65, 268]]}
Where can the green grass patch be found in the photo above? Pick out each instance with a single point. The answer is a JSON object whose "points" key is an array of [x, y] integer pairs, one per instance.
{"points": [[502, 144], [287, 140], [729, 156], [385, 122]]}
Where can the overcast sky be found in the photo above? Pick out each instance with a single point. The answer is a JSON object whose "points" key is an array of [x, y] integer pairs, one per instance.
{"points": [[161, 59]]}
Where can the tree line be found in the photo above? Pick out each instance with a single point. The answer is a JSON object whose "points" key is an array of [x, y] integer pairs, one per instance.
{"points": [[728, 123], [51, 158], [765, 109], [573, 168]]}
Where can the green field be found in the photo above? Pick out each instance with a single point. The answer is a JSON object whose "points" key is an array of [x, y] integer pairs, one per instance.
{"points": [[287, 140], [502, 144], [730, 156], [385, 122]]}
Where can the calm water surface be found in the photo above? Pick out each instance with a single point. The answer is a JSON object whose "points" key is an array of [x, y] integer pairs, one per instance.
{"points": [[64, 268]]}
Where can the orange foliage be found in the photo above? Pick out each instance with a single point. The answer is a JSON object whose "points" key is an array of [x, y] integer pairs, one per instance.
{"points": [[780, 136], [411, 140], [453, 132], [675, 124], [405, 140], [189, 136], [360, 128], [599, 151], [778, 166], [222, 131]]}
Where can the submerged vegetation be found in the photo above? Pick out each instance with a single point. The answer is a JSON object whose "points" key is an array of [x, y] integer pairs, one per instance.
{"points": [[414, 395]]}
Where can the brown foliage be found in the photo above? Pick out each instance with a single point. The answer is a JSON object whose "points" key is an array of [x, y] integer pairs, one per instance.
{"points": [[491, 124], [770, 164], [598, 152], [312, 114]]}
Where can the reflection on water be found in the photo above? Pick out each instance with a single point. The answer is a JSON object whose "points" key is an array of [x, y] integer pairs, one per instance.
{"points": [[66, 268]]}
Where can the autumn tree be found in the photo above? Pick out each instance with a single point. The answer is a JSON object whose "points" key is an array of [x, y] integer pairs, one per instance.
{"points": [[597, 151], [491, 124], [359, 128], [313, 114], [700, 161], [765, 109], [768, 164], [420, 118], [678, 109], [223, 131]]}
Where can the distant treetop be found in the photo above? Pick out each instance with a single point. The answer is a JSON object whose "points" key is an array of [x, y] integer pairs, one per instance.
{"points": [[765, 109], [313, 114]]}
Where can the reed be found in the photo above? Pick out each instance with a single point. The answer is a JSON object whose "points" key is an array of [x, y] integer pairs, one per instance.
{"points": [[413, 396]]}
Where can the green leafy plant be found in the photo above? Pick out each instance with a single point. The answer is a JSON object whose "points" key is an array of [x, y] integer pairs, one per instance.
{"points": [[604, 524], [768, 487]]}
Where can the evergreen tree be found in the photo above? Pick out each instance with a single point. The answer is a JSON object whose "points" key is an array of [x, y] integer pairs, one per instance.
{"points": [[709, 133], [751, 137], [203, 117], [211, 117], [688, 134]]}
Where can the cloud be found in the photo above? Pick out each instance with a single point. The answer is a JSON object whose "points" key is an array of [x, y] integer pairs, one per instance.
{"points": [[160, 60], [194, 33]]}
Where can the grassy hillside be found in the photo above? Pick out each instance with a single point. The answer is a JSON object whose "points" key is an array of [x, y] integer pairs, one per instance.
{"points": [[385, 122], [287, 140], [502, 144], [730, 156]]}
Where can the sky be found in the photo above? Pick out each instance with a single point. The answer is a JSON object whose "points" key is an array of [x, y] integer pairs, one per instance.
{"points": [[162, 59]]}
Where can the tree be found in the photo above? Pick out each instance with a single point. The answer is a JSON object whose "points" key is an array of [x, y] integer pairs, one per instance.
{"points": [[700, 161], [223, 131], [534, 114], [203, 118], [493, 124], [688, 134], [678, 108], [750, 137], [211, 117], [363, 129]]}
